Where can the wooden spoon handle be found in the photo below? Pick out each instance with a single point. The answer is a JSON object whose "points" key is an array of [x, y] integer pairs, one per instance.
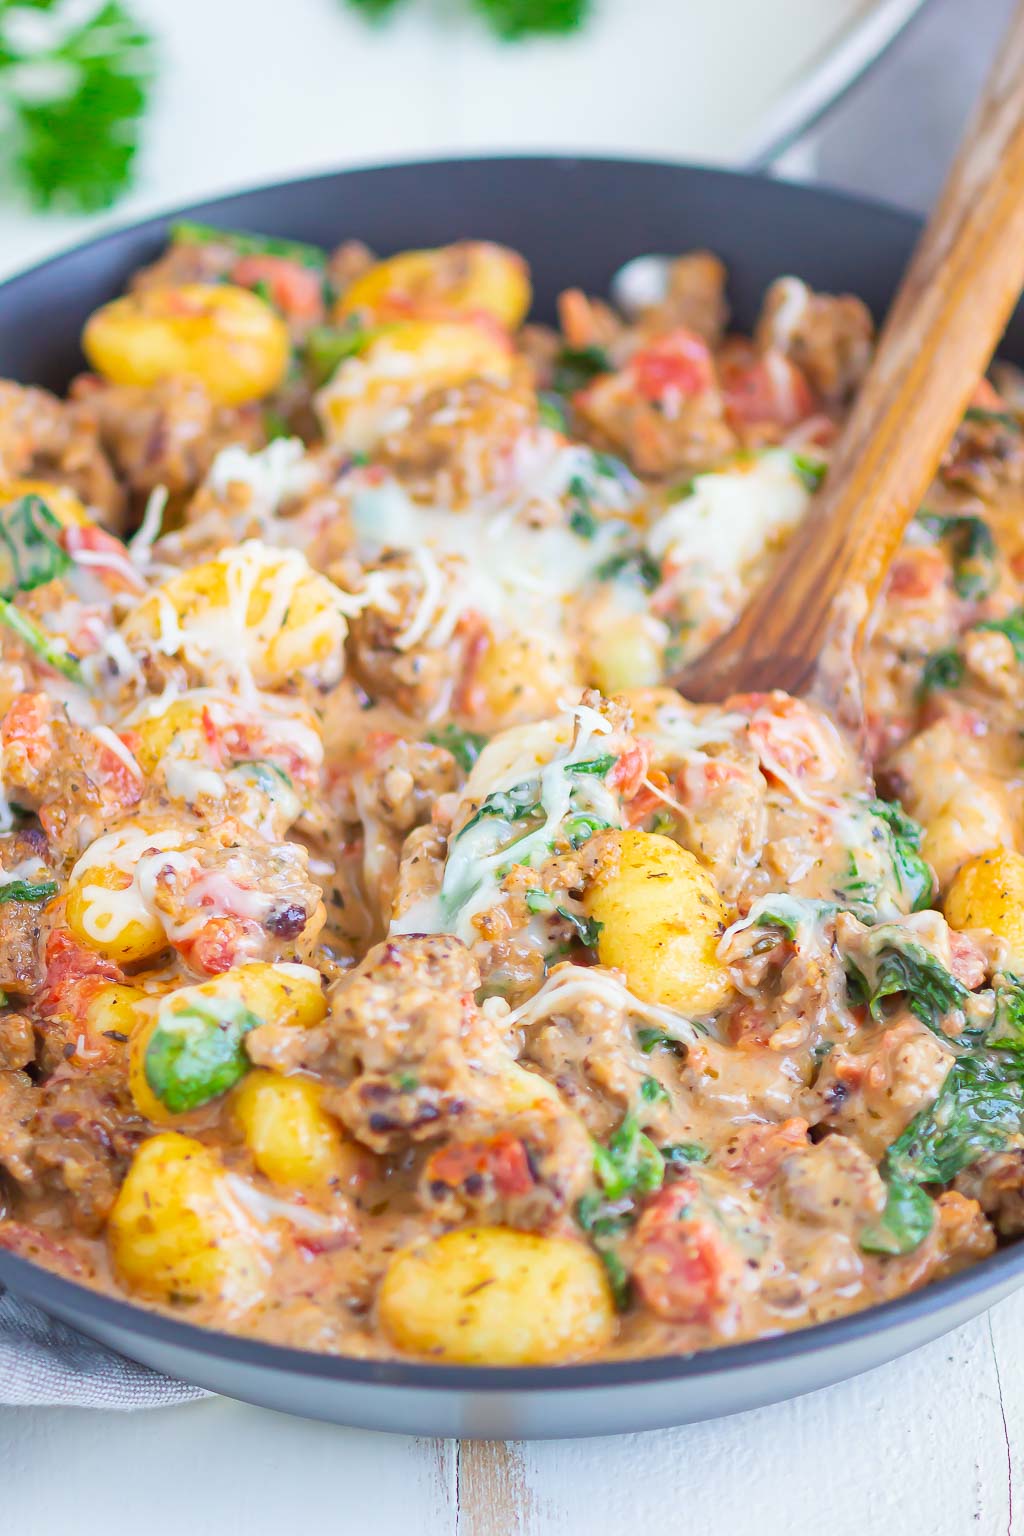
{"points": [[942, 329]]}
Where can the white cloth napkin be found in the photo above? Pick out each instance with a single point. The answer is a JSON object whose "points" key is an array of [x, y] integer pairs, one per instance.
{"points": [[44, 1363]]}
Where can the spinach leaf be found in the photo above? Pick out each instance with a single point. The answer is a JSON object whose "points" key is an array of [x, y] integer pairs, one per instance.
{"points": [[598, 766], [649, 1039], [26, 890], [634, 565], [653, 1092], [906, 1221], [464, 746], [328, 345], [516, 804], [52, 652], [630, 1164], [899, 966], [552, 411], [912, 874], [582, 519], [187, 232], [1012, 627], [30, 550], [811, 471], [588, 929], [681, 1154], [198, 1052], [579, 828], [983, 417], [618, 1277], [972, 549], [575, 367], [978, 1110], [943, 669]]}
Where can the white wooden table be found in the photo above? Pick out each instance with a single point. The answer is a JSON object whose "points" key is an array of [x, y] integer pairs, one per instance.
{"points": [[932, 1445]]}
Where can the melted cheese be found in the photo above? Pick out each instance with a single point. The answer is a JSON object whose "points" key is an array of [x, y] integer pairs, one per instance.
{"points": [[568, 985], [728, 523]]}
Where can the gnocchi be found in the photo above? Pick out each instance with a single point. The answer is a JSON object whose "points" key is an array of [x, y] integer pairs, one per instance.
{"points": [[492, 1296], [988, 892], [661, 921], [176, 1233], [401, 364], [471, 279], [224, 335]]}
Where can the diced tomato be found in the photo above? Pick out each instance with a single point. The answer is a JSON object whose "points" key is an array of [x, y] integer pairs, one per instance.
{"points": [[918, 573], [630, 768], [110, 558], [750, 1025], [791, 739], [294, 289], [73, 975], [771, 391], [966, 960], [220, 944], [475, 633], [757, 1152], [500, 1160], [647, 800], [24, 730], [676, 364], [684, 1269], [987, 398], [122, 781]]}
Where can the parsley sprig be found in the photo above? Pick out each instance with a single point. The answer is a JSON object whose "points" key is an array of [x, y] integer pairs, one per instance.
{"points": [[74, 90], [510, 19]]}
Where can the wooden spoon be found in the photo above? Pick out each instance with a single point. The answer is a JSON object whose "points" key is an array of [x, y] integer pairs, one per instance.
{"points": [[804, 630]]}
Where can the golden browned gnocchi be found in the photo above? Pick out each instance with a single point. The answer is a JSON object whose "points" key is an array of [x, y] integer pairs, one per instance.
{"points": [[225, 336], [486, 1296], [468, 280], [661, 919], [177, 1230], [988, 892], [402, 364]]}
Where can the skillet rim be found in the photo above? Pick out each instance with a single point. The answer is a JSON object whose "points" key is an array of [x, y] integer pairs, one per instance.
{"points": [[36, 1284]]}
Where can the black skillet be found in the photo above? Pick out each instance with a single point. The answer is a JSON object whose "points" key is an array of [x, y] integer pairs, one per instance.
{"points": [[576, 221]]}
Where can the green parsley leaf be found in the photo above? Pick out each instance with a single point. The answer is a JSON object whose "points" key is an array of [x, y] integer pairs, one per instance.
{"points": [[75, 93], [653, 1092]]}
